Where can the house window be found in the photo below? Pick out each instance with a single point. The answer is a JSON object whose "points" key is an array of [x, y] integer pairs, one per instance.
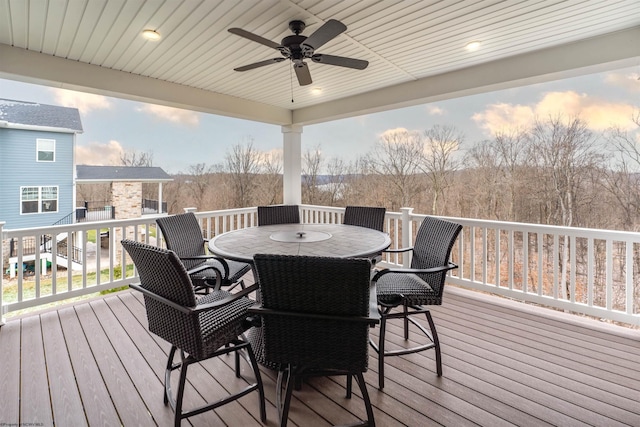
{"points": [[46, 150], [38, 199]]}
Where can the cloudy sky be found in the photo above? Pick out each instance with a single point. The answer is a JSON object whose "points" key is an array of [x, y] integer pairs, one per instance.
{"points": [[179, 138]]}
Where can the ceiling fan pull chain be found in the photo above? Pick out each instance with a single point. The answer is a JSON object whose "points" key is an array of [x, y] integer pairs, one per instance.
{"points": [[291, 80]]}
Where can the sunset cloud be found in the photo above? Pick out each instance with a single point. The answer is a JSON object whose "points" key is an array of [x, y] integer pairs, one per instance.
{"points": [[98, 154], [628, 81], [173, 115], [434, 110], [596, 112], [85, 102]]}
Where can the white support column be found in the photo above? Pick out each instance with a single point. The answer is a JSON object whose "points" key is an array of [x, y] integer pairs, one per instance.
{"points": [[292, 167], [159, 198]]}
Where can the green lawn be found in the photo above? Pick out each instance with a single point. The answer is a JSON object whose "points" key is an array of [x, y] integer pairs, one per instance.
{"points": [[10, 291]]}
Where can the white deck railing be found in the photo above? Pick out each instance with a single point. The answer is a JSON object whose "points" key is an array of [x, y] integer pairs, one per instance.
{"points": [[521, 261]]}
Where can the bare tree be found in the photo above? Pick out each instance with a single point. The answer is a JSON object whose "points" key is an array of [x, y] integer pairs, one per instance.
{"points": [[565, 153], [311, 166], [243, 163], [623, 179], [438, 161], [271, 179], [136, 158], [198, 182], [394, 159]]}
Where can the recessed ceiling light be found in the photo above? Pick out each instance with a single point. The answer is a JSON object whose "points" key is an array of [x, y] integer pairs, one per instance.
{"points": [[151, 35], [316, 90], [471, 46]]}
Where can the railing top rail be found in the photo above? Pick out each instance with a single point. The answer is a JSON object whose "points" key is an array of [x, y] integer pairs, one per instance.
{"points": [[54, 229]]}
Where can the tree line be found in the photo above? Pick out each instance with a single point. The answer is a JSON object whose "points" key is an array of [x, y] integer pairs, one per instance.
{"points": [[557, 172]]}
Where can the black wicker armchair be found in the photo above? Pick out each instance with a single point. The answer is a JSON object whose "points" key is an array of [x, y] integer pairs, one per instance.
{"points": [[197, 328], [183, 235], [278, 214], [412, 288], [366, 216], [316, 314]]}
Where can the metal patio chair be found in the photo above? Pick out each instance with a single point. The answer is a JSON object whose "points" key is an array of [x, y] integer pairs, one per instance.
{"points": [[183, 235], [196, 328], [316, 313], [413, 288]]}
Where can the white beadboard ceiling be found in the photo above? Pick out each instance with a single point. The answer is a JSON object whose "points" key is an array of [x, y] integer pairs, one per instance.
{"points": [[415, 48]]}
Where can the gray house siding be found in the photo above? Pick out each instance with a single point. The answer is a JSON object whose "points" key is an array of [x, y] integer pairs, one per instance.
{"points": [[19, 168]]}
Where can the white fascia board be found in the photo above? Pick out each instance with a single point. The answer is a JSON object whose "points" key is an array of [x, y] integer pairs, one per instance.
{"points": [[9, 125], [608, 52], [33, 67]]}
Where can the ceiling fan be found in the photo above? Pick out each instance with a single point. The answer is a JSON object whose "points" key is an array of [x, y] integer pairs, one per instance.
{"points": [[297, 48]]}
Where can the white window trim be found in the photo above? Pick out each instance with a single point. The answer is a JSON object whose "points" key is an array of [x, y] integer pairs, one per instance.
{"points": [[38, 150], [40, 211]]}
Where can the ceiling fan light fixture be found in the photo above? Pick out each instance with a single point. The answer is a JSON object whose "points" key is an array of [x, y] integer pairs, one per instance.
{"points": [[473, 45], [151, 35], [316, 91]]}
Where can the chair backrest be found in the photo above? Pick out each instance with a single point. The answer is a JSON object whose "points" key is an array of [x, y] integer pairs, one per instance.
{"points": [[432, 248], [162, 273], [278, 214], [183, 235], [365, 216], [338, 289]]}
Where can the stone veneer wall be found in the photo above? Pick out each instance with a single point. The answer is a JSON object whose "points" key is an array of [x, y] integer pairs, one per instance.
{"points": [[126, 198]]}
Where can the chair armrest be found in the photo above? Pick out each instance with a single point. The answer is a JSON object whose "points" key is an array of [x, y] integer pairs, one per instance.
{"points": [[226, 301], [199, 268], [399, 250], [449, 266], [222, 261], [197, 308], [353, 319]]}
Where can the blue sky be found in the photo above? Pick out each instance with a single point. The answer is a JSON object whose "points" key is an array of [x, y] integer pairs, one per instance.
{"points": [[179, 138]]}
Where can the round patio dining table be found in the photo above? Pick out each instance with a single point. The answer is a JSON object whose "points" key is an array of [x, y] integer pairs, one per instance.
{"points": [[334, 240]]}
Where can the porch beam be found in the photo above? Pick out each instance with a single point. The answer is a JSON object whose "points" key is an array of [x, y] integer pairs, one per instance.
{"points": [[39, 68], [607, 52]]}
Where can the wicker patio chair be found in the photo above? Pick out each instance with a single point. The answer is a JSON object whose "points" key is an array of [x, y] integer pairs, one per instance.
{"points": [[316, 314], [366, 216], [415, 287], [199, 329], [183, 235], [278, 214]]}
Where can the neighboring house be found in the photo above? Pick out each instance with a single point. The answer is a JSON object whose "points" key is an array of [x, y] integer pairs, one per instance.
{"points": [[126, 187], [37, 144]]}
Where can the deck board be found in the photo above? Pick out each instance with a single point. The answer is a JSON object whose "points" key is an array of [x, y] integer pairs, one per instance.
{"points": [[65, 396], [504, 364]]}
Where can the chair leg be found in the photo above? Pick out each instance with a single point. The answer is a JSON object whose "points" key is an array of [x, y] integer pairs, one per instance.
{"points": [[436, 342], [383, 328], [284, 413], [256, 372], [167, 375], [365, 396], [180, 394], [349, 385], [406, 321]]}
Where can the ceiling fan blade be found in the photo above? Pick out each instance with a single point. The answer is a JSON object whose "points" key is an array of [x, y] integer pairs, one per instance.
{"points": [[303, 74], [259, 64], [326, 32], [340, 61], [254, 37]]}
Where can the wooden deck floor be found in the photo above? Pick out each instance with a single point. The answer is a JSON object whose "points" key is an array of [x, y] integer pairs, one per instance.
{"points": [[94, 363]]}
